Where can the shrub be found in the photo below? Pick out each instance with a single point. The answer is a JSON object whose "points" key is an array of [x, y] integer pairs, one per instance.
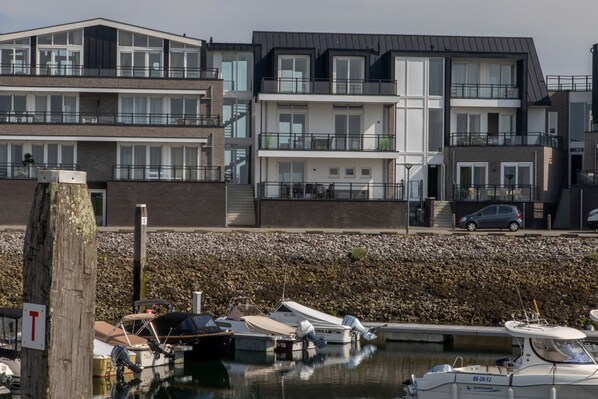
{"points": [[357, 253]]}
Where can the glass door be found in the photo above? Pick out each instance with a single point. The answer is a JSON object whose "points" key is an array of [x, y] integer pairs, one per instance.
{"points": [[291, 128], [348, 75], [347, 132], [293, 74]]}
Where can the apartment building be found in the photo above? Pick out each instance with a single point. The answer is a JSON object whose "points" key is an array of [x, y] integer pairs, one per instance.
{"points": [[133, 107], [347, 124]]}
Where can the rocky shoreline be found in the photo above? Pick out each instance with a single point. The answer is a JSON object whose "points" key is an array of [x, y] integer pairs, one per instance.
{"points": [[439, 279]]}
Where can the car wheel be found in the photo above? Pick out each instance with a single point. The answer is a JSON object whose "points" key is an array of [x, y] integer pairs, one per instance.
{"points": [[513, 226], [471, 226]]}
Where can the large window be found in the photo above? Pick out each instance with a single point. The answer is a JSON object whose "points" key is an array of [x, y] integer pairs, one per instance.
{"points": [[184, 61], [349, 75], [291, 171], [60, 53], [348, 128], [516, 173], [579, 120], [184, 110], [436, 77], [139, 55], [55, 108], [159, 161], [12, 107], [293, 73], [472, 173], [291, 126], [435, 129], [38, 155], [236, 71], [468, 123], [14, 57]]}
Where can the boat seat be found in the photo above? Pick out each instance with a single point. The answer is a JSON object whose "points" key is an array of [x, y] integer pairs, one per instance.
{"points": [[112, 335]]}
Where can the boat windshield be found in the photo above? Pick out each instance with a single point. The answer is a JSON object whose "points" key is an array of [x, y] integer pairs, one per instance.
{"points": [[562, 351]]}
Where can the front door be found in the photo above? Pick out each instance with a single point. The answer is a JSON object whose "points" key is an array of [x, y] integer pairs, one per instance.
{"points": [[98, 203], [433, 181]]}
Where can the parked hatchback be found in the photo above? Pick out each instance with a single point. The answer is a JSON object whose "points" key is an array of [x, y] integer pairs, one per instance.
{"points": [[493, 216]]}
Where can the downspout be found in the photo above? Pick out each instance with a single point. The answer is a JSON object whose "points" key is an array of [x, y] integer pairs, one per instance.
{"points": [[535, 172]]}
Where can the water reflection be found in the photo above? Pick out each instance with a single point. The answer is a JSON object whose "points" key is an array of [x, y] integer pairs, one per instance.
{"points": [[337, 371]]}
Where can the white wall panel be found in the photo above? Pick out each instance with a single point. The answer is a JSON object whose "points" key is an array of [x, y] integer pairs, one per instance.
{"points": [[415, 82], [415, 130]]}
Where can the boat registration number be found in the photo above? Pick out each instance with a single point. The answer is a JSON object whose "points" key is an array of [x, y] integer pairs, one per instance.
{"points": [[481, 378]]}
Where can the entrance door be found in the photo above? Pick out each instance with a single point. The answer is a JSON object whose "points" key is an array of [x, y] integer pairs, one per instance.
{"points": [[98, 203], [433, 181], [237, 164]]}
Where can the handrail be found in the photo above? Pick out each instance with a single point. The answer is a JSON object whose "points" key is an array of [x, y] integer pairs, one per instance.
{"points": [[25, 170], [331, 191], [569, 82], [118, 71], [495, 192], [167, 172], [329, 86], [484, 90], [325, 142], [473, 139]]}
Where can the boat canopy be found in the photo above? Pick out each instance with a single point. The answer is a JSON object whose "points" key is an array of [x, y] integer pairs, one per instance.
{"points": [[525, 329], [183, 323], [264, 325], [304, 313]]}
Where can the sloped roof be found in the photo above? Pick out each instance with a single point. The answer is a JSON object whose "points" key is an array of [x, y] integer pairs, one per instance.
{"points": [[537, 92]]}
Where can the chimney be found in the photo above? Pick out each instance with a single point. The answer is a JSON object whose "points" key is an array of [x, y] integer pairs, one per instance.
{"points": [[594, 52]]}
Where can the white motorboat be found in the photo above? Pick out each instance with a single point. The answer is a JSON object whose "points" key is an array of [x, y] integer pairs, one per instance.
{"points": [[148, 352], [553, 364], [249, 324], [333, 329]]}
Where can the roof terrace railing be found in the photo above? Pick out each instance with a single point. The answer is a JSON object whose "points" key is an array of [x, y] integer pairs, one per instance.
{"points": [[356, 87], [569, 82], [118, 72], [331, 191], [495, 192], [325, 142]]}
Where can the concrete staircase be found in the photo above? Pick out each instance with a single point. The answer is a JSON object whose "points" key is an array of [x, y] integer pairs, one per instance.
{"points": [[443, 215], [562, 219], [240, 205]]}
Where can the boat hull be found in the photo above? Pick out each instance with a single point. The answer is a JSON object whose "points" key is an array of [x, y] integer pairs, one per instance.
{"points": [[204, 346]]}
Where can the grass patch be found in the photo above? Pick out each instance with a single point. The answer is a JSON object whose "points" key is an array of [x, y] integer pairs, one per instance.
{"points": [[591, 257], [357, 253]]}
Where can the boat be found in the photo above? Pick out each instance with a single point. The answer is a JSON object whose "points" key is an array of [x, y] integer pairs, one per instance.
{"points": [[254, 331], [554, 363], [333, 329], [198, 331], [10, 347], [136, 333]]}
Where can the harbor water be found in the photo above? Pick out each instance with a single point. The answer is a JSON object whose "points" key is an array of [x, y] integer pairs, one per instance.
{"points": [[338, 371]]}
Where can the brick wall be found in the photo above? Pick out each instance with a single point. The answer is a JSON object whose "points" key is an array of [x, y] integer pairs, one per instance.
{"points": [[16, 199]]}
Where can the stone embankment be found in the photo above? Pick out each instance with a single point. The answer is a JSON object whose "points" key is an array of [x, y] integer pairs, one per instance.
{"points": [[440, 279]]}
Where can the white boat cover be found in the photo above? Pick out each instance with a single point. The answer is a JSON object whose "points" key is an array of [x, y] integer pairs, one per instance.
{"points": [[264, 325], [101, 348], [535, 330], [313, 316]]}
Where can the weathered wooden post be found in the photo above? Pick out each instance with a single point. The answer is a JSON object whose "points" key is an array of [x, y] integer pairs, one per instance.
{"points": [[59, 289], [139, 277]]}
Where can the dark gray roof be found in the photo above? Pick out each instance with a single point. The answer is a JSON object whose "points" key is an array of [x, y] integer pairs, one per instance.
{"points": [[444, 45]]}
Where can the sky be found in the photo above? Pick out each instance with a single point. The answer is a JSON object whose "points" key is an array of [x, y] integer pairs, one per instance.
{"points": [[563, 31]]}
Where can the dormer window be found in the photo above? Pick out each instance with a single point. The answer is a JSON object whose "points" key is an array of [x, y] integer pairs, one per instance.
{"points": [[349, 75], [139, 55], [293, 74], [184, 61]]}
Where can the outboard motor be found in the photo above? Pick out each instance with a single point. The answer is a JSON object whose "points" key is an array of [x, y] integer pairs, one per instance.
{"points": [[120, 357], [353, 322], [305, 330]]}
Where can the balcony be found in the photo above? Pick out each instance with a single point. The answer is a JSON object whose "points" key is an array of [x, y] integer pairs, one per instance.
{"points": [[121, 71], [148, 119], [479, 139], [495, 192], [587, 178], [354, 87], [30, 171], [321, 191], [569, 82], [325, 142], [484, 91], [166, 173]]}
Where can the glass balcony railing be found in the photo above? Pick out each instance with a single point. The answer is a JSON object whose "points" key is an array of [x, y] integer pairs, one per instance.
{"points": [[495, 192], [118, 72], [357, 87], [326, 142], [484, 91], [126, 118], [24, 170], [331, 191], [478, 139], [167, 173]]}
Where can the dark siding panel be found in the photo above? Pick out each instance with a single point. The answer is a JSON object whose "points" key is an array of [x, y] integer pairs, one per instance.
{"points": [[100, 47]]}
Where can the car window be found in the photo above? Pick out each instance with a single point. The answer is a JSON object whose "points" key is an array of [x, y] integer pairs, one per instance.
{"points": [[502, 210], [491, 210]]}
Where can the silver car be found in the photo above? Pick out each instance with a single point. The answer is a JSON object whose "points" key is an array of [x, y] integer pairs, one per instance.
{"points": [[493, 217]]}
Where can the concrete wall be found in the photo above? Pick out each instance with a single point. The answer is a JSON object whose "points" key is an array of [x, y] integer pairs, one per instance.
{"points": [[16, 199], [183, 204], [332, 214]]}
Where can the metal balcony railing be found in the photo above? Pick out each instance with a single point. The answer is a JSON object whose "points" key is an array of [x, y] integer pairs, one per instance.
{"points": [[325, 142], [109, 118], [569, 82], [331, 191], [358, 87], [479, 139], [167, 173], [484, 91], [118, 72], [495, 192], [23, 170]]}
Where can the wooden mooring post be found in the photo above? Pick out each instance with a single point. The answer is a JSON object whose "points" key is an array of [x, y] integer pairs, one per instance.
{"points": [[139, 276], [59, 289]]}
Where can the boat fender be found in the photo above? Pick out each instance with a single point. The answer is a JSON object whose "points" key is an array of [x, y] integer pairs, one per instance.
{"points": [[510, 393], [553, 392], [455, 391]]}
